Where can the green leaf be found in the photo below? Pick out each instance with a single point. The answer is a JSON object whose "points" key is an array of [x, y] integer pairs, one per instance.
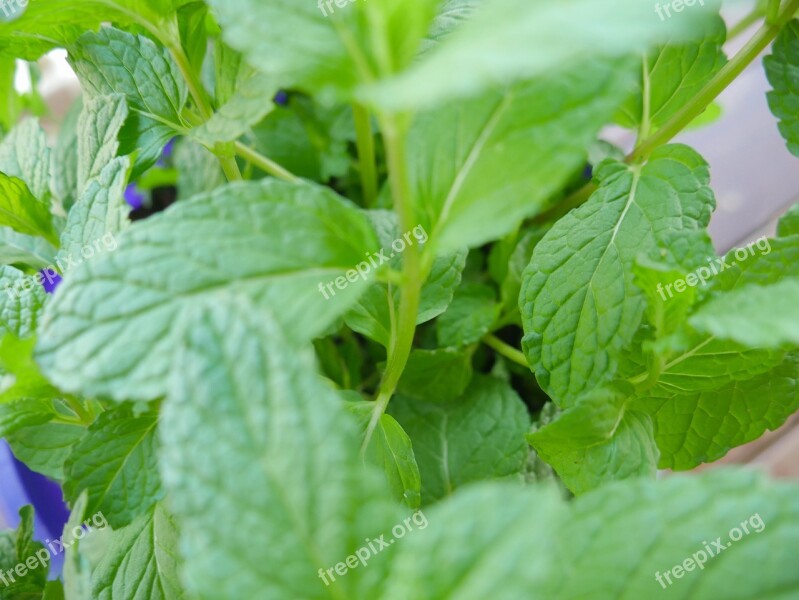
{"points": [[250, 104], [45, 447], [352, 43], [535, 134], [24, 413], [470, 316], [390, 449], [15, 548], [675, 520], [116, 464], [22, 378], [64, 159], [131, 563], [198, 170], [436, 375], [580, 306], [24, 154], [703, 426], [488, 541], [789, 223], [780, 69], [116, 62], [48, 24], [276, 243], [99, 215], [756, 316], [22, 212], [599, 439], [99, 124], [673, 74], [21, 301], [371, 314], [248, 430], [478, 436], [19, 248], [512, 40], [451, 15]]}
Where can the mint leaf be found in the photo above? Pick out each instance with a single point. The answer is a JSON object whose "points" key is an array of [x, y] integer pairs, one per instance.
{"points": [[352, 43], [137, 561], [789, 223], [22, 378], [512, 40], [674, 74], [116, 463], [477, 436], [99, 125], [674, 519], [64, 159], [782, 99], [371, 314], [22, 212], [24, 154], [98, 216], [198, 170], [116, 62], [487, 557], [579, 303], [21, 249], [535, 133], [242, 235], [15, 548], [390, 449], [692, 428], [759, 317], [238, 413], [21, 301], [45, 447], [601, 438], [246, 107], [436, 375], [470, 316]]}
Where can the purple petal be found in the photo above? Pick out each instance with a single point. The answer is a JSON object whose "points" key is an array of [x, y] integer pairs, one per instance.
{"points": [[281, 98], [134, 196], [50, 280], [166, 153]]}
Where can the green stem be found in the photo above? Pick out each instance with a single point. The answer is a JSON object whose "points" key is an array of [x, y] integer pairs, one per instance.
{"points": [[230, 167], [772, 11], [762, 38], [506, 350], [78, 409], [366, 153], [394, 133], [265, 164]]}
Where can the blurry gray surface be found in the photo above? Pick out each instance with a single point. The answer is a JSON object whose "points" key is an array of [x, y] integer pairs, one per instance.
{"points": [[754, 176]]}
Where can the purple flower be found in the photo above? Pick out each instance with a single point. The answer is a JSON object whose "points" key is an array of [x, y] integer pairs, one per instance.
{"points": [[134, 196], [50, 280], [281, 98], [166, 153]]}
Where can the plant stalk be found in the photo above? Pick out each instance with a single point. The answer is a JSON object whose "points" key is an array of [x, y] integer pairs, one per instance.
{"points": [[394, 133], [366, 154]]}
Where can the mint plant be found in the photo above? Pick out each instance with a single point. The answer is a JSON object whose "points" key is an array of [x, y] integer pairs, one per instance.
{"points": [[401, 276]]}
